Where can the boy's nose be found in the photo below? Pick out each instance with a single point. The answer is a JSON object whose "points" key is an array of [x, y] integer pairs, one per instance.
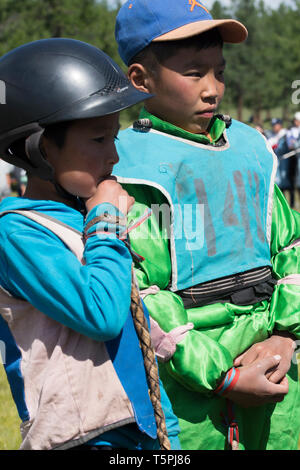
{"points": [[114, 157], [210, 89]]}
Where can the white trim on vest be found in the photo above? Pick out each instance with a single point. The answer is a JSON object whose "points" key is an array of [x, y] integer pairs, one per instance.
{"points": [[271, 190], [122, 179], [71, 237]]}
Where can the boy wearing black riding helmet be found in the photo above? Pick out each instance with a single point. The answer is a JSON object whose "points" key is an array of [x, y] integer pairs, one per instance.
{"points": [[73, 358]]}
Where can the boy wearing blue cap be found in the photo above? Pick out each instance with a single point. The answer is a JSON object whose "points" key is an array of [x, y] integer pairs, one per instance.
{"points": [[219, 267]]}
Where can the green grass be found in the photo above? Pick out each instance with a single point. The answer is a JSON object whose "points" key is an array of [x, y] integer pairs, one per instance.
{"points": [[10, 437]]}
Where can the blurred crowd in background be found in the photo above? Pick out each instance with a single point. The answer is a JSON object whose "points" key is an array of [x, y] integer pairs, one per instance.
{"points": [[286, 144], [12, 180]]}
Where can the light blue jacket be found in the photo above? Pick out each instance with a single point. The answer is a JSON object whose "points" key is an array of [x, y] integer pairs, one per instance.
{"points": [[34, 265]]}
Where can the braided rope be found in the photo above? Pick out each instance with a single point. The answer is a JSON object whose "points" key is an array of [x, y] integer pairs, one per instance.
{"points": [[143, 333], [112, 219]]}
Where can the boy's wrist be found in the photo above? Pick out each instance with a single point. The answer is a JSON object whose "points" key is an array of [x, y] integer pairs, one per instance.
{"points": [[104, 219], [228, 382], [103, 207]]}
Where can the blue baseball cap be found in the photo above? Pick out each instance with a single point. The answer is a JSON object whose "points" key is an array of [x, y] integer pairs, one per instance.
{"points": [[275, 121], [139, 22]]}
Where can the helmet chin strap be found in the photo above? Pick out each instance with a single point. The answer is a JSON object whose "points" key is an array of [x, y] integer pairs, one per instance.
{"points": [[41, 168]]}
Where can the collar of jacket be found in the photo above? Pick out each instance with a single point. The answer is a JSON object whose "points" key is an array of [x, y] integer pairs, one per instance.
{"points": [[215, 130]]}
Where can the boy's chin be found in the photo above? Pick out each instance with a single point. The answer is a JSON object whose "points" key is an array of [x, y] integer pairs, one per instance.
{"points": [[204, 122], [82, 193], [198, 128]]}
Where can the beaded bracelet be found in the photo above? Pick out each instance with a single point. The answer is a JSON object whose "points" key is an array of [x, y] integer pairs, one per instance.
{"points": [[228, 382]]}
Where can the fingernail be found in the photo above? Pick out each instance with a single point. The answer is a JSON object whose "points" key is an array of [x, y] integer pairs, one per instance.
{"points": [[277, 357]]}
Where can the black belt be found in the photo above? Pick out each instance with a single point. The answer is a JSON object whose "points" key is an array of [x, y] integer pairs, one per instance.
{"points": [[241, 289]]}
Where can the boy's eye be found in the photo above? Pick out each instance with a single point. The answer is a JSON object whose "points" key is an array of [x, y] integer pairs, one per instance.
{"points": [[101, 139], [193, 73]]}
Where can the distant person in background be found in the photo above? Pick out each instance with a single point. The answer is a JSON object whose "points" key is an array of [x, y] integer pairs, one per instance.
{"points": [[5, 180], [293, 143], [260, 129], [258, 126], [293, 135], [277, 132], [277, 140]]}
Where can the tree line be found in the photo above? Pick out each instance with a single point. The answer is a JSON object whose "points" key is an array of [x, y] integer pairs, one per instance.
{"points": [[260, 74]]}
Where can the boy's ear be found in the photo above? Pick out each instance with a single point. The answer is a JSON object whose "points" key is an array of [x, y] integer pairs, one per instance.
{"points": [[139, 78]]}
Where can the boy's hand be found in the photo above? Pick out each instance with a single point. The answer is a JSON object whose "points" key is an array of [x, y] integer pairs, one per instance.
{"points": [[109, 190], [254, 389], [281, 343]]}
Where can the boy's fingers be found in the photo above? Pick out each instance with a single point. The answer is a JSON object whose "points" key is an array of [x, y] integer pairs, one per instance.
{"points": [[238, 360], [280, 389], [268, 363], [276, 376], [284, 381], [248, 357]]}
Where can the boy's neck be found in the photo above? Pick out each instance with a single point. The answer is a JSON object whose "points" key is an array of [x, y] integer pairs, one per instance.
{"points": [[38, 189], [213, 133]]}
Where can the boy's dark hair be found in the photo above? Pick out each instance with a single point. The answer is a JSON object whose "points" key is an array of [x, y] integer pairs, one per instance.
{"points": [[156, 53], [57, 132]]}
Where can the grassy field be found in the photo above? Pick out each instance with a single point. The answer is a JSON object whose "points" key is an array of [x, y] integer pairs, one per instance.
{"points": [[10, 437]]}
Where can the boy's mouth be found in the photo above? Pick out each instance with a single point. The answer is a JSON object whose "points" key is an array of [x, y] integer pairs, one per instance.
{"points": [[207, 113]]}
